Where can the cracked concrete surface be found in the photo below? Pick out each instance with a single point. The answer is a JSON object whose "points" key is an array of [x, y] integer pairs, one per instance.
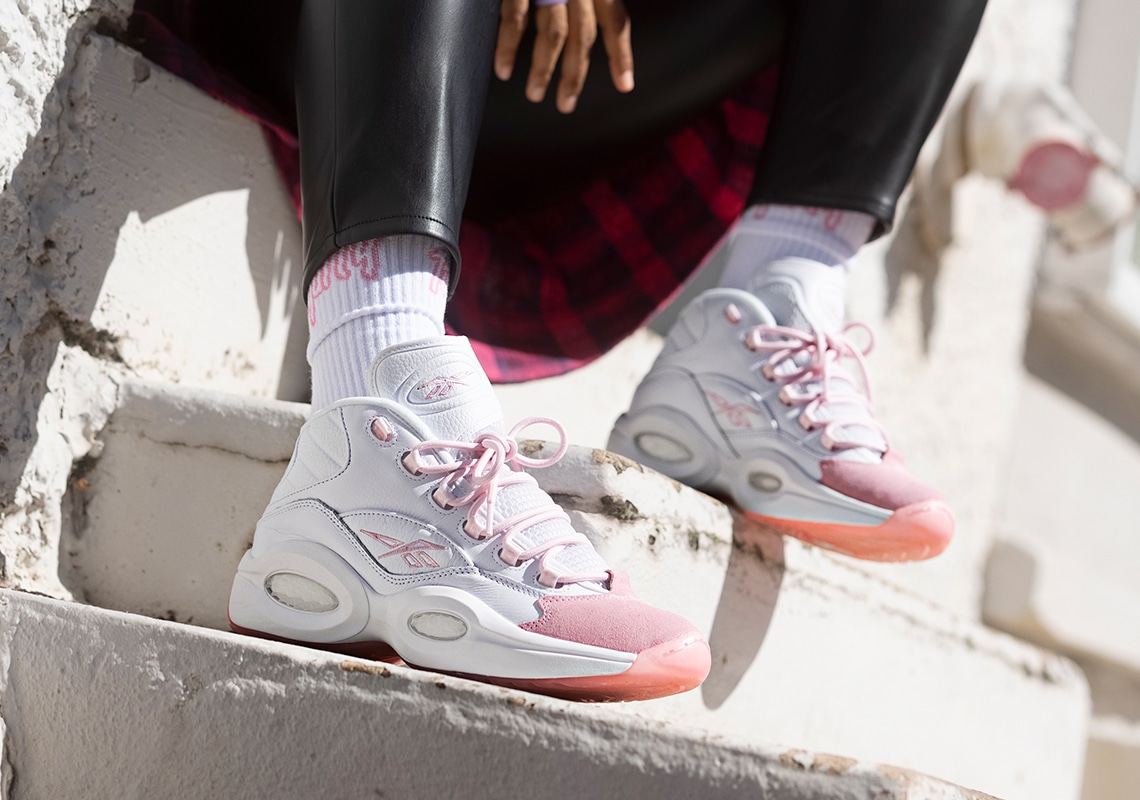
{"points": [[163, 532], [54, 396], [135, 707], [91, 201]]}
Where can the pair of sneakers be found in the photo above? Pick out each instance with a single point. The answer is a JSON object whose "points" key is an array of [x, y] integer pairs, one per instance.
{"points": [[404, 527]]}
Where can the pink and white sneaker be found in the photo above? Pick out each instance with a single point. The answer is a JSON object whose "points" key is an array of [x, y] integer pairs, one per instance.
{"points": [[772, 418], [403, 529]]}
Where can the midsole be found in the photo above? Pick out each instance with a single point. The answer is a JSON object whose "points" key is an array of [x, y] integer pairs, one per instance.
{"points": [[436, 627], [800, 495]]}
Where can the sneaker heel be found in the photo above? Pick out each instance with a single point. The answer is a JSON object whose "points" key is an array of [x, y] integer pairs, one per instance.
{"points": [[668, 441], [300, 591]]}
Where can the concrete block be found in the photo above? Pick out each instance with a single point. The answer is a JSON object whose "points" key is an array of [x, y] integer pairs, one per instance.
{"points": [[1073, 476], [1112, 765], [808, 647], [144, 231], [1112, 762], [41, 405], [1042, 595], [161, 519], [37, 40], [97, 705], [1063, 573]]}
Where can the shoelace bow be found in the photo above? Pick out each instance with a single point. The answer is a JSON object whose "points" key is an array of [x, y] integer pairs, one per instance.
{"points": [[816, 356], [482, 468]]}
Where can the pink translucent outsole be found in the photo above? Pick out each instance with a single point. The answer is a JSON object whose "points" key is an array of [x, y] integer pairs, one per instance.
{"points": [[665, 669], [372, 651], [912, 533]]}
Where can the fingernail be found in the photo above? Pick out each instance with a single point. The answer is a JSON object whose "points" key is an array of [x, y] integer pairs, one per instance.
{"points": [[569, 104], [625, 81], [534, 94], [503, 72]]}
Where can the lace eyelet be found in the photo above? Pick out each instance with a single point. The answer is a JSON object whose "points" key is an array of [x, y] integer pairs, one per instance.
{"points": [[382, 430], [442, 505], [404, 458], [732, 314], [502, 557]]}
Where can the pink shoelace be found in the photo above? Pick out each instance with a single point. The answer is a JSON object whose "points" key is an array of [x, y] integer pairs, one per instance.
{"points": [[816, 357], [474, 477]]}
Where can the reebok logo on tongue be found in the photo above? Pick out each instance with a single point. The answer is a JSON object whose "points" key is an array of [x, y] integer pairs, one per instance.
{"points": [[441, 386]]}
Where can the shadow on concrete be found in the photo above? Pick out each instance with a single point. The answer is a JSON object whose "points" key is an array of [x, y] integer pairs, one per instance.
{"points": [[60, 220], [1087, 350], [747, 602], [908, 257]]}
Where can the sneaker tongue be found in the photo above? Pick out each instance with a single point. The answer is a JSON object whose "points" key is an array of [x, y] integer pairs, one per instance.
{"points": [[442, 383], [802, 293]]}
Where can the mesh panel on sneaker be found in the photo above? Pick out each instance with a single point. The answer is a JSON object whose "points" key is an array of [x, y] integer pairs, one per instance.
{"points": [[520, 498], [782, 302]]}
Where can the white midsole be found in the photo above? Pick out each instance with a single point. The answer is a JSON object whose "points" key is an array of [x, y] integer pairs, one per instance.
{"points": [[491, 645], [800, 496]]}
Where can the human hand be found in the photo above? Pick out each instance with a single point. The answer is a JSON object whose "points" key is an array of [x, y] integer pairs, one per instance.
{"points": [[569, 29]]}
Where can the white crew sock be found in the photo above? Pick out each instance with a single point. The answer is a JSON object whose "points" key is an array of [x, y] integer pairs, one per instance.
{"points": [[369, 296], [769, 233]]}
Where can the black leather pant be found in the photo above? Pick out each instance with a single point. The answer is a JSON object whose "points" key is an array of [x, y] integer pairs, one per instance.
{"points": [[395, 106]]}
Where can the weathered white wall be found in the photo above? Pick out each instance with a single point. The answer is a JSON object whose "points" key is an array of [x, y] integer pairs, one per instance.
{"points": [[53, 397], [144, 228], [204, 277]]}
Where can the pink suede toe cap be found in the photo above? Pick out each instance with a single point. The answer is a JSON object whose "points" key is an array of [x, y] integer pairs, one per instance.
{"points": [[616, 620], [886, 484]]}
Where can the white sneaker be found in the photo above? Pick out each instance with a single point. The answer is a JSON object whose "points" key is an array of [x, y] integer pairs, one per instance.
{"points": [[401, 529], [768, 417]]}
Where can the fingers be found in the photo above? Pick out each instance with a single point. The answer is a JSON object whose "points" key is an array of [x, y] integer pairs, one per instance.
{"points": [[614, 22], [512, 23], [583, 31], [552, 24], [573, 26]]}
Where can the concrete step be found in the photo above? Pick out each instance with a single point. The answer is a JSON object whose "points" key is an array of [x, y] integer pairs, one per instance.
{"points": [[808, 647], [98, 704]]}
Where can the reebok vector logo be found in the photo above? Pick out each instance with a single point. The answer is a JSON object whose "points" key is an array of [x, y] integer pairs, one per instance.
{"points": [[735, 414], [441, 386], [416, 555]]}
